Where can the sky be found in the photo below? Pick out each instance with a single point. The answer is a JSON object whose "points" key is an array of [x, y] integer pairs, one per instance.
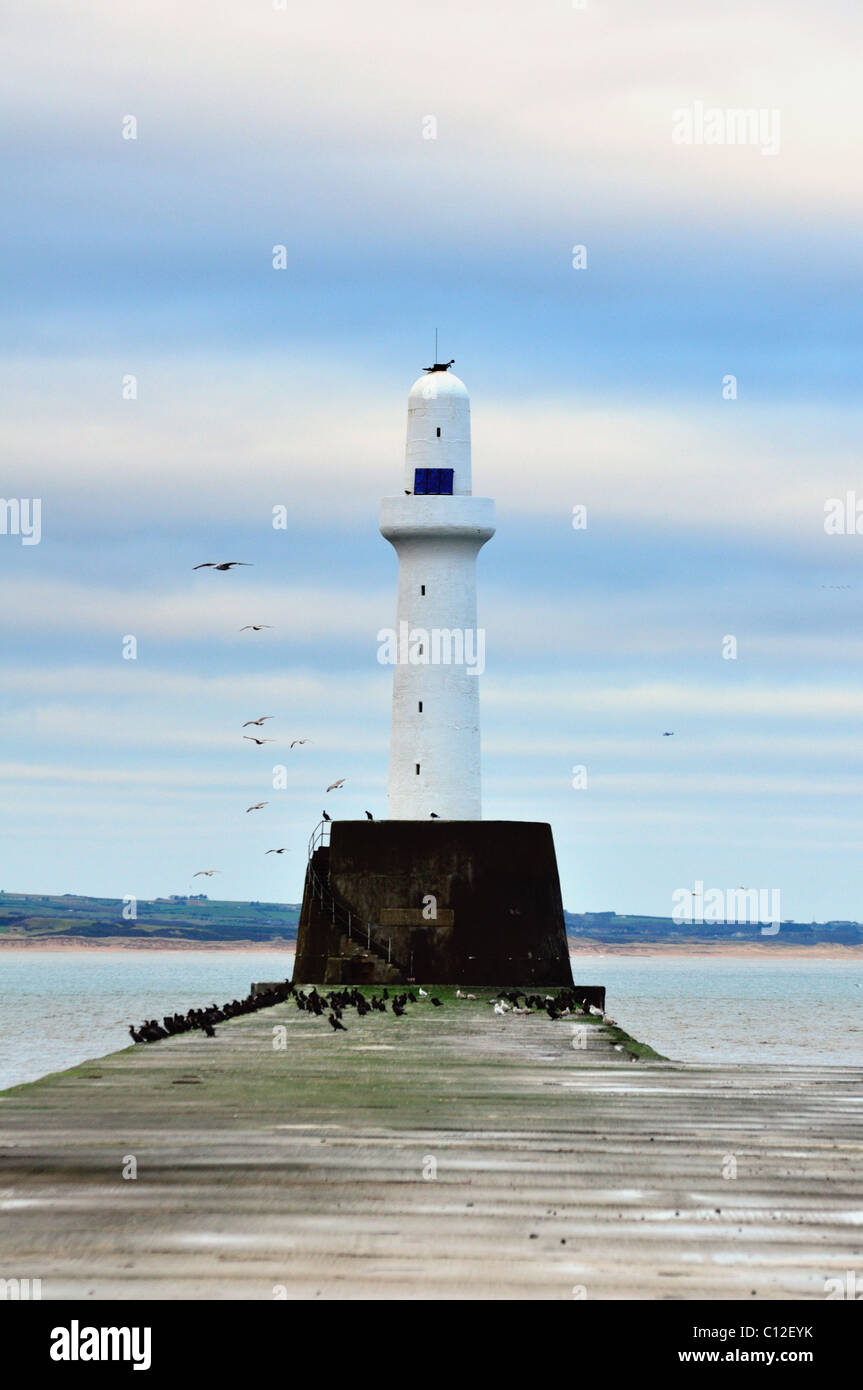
{"points": [[693, 382]]}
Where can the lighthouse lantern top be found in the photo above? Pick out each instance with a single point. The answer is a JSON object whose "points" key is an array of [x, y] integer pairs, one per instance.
{"points": [[437, 384], [438, 437]]}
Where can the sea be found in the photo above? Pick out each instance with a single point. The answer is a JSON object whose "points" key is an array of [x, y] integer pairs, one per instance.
{"points": [[60, 1008]]}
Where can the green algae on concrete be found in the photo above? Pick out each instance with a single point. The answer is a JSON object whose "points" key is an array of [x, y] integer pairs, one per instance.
{"points": [[452, 1153]]}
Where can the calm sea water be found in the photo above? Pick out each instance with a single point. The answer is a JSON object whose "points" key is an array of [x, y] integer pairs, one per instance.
{"points": [[716, 1009], [58, 1008]]}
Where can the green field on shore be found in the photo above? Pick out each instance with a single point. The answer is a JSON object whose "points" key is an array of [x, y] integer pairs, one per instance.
{"points": [[27, 916]]}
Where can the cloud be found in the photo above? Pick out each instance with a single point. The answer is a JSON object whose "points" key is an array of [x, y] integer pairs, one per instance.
{"points": [[238, 449], [211, 609], [304, 127], [631, 698], [308, 101], [336, 627]]}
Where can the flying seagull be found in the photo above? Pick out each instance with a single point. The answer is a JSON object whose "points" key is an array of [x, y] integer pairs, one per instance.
{"points": [[258, 806], [335, 785], [278, 851], [207, 873], [251, 739], [300, 740], [225, 565], [255, 627], [258, 722], [669, 733]]}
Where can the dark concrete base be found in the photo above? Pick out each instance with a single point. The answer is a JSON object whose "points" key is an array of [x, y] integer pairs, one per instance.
{"points": [[450, 902]]}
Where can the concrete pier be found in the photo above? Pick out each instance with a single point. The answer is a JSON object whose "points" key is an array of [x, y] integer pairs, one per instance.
{"points": [[448, 1154]]}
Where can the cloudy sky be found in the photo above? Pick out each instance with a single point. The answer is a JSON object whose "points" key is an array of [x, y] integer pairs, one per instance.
{"points": [[308, 127]]}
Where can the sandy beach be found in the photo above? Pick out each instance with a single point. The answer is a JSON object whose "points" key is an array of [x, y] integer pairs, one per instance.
{"points": [[731, 950], [579, 947]]}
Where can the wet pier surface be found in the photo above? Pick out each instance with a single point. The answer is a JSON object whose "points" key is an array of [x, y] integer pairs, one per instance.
{"points": [[451, 1153]]}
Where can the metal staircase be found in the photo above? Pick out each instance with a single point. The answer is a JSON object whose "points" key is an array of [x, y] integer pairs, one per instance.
{"points": [[362, 934]]}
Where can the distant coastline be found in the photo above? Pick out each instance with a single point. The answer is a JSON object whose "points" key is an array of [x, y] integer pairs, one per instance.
{"points": [[141, 943], [579, 947], [194, 922], [818, 950]]}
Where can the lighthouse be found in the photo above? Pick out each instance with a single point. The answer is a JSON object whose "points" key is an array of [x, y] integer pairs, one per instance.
{"points": [[432, 891], [437, 528]]}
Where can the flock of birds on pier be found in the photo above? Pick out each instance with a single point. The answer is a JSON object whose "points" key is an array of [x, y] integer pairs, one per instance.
{"points": [[561, 1005], [334, 1004]]}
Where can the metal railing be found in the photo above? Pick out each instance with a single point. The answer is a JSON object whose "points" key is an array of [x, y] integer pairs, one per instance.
{"points": [[320, 837], [340, 914]]}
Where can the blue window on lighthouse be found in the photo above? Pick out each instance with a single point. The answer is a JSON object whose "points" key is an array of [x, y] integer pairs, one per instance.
{"points": [[433, 482]]}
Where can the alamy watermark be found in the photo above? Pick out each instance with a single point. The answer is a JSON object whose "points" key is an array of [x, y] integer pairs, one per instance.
{"points": [[843, 516], [20, 1290], [753, 906], [851, 1287], [21, 516], [735, 125], [436, 646]]}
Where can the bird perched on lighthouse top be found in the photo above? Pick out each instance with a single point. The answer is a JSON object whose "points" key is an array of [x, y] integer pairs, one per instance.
{"points": [[437, 528]]}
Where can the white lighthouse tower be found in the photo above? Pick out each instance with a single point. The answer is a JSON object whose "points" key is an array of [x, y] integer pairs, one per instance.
{"points": [[437, 528], [498, 915]]}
